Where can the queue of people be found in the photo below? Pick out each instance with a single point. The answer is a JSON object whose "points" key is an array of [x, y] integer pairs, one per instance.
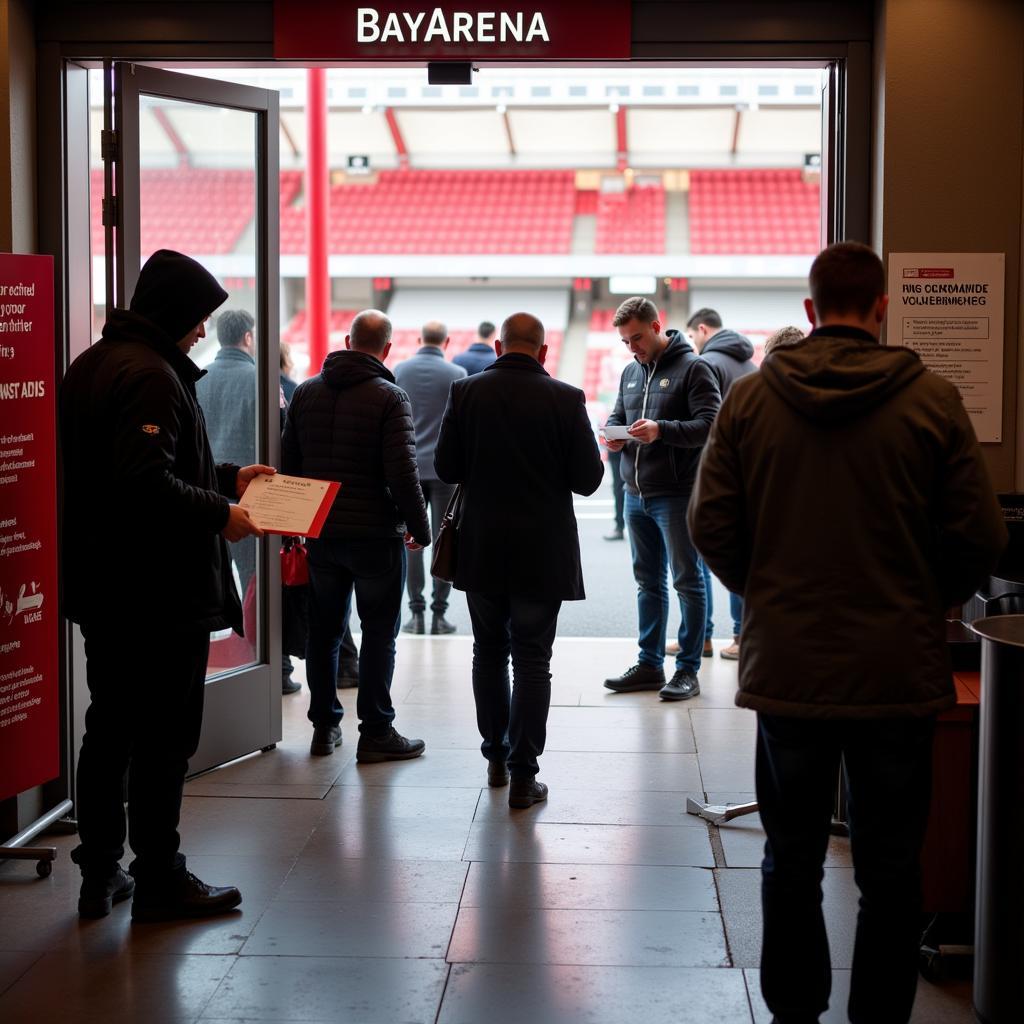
{"points": [[840, 492]]}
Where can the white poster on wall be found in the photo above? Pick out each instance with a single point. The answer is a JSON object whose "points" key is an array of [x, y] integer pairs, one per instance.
{"points": [[948, 307]]}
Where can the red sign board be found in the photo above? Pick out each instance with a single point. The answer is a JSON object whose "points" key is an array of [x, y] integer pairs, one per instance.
{"points": [[468, 30], [29, 665]]}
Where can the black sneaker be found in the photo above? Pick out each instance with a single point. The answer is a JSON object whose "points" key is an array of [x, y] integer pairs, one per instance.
{"points": [[415, 624], [526, 792], [497, 773], [638, 677], [98, 895], [391, 746], [682, 686], [440, 626], [348, 676], [289, 685], [325, 739], [187, 897]]}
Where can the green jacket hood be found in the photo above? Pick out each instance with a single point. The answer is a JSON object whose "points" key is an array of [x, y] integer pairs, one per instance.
{"points": [[838, 374]]}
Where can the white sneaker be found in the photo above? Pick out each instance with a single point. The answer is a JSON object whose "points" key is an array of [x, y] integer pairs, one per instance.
{"points": [[732, 652]]}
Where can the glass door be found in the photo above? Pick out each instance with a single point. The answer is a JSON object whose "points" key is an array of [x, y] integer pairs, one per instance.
{"points": [[195, 169]]}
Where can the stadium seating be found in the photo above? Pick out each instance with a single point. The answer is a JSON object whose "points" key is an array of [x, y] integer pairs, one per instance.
{"points": [[465, 212], [632, 221], [770, 212]]}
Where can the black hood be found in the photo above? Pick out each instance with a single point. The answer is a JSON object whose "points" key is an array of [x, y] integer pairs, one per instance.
{"points": [[832, 378], [124, 325], [731, 344], [678, 343], [346, 369], [175, 293]]}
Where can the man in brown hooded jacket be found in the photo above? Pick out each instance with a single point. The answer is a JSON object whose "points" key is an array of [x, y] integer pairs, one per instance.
{"points": [[843, 493]]}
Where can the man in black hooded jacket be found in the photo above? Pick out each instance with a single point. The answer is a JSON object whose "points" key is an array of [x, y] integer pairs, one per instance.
{"points": [[353, 424], [146, 572], [668, 399]]}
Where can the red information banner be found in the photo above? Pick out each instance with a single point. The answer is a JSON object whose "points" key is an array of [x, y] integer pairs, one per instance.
{"points": [[467, 30], [29, 666]]}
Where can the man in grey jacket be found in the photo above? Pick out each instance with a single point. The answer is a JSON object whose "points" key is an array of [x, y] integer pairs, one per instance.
{"points": [[731, 356], [844, 494], [427, 378]]}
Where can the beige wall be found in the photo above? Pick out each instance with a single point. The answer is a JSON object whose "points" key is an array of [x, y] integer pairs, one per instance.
{"points": [[948, 166]]}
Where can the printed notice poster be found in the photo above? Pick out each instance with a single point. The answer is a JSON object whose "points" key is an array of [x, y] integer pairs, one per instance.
{"points": [[29, 666], [948, 307]]}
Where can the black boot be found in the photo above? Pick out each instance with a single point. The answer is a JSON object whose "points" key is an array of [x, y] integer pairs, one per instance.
{"points": [[98, 895], [440, 626], [391, 746], [186, 896], [325, 739], [637, 677], [682, 686], [526, 792], [415, 624], [497, 773]]}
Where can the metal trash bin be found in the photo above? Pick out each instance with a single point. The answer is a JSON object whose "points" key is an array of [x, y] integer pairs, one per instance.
{"points": [[999, 934]]}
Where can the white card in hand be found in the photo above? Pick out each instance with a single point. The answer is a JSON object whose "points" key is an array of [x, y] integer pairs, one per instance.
{"points": [[613, 433]]}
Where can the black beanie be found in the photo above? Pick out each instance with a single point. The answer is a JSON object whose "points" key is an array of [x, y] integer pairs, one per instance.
{"points": [[175, 293]]}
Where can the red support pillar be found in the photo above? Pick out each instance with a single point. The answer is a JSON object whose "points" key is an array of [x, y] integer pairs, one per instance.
{"points": [[318, 282], [621, 139]]}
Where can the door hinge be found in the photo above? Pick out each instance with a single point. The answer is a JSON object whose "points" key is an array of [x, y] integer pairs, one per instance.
{"points": [[110, 211], [108, 145]]}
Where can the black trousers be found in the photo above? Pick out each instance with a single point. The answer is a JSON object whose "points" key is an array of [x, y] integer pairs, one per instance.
{"points": [[888, 768], [437, 494], [144, 718], [512, 721]]}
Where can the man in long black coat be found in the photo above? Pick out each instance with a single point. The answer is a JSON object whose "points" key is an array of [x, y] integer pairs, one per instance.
{"points": [[146, 572], [520, 444]]}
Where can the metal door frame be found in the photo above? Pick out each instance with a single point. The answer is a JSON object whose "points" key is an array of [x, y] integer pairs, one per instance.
{"points": [[234, 723]]}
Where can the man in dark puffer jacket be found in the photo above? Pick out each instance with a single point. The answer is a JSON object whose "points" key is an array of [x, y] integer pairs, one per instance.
{"points": [[353, 424]]}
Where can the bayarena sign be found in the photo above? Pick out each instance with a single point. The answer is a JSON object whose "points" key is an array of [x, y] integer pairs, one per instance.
{"points": [[566, 30]]}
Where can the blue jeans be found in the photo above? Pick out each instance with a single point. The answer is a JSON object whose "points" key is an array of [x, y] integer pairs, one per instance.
{"points": [[735, 606], [375, 569], [513, 723], [660, 540], [888, 769]]}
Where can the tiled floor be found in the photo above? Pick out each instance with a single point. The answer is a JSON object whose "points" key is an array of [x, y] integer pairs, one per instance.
{"points": [[410, 893]]}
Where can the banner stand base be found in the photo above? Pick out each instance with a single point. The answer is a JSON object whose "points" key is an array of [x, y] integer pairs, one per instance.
{"points": [[44, 856]]}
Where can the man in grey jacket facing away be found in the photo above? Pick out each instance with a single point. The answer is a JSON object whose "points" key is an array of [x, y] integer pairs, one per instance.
{"points": [[427, 378], [843, 492], [731, 356]]}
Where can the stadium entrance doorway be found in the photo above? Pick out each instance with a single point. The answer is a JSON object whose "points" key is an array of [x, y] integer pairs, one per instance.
{"points": [[560, 190]]}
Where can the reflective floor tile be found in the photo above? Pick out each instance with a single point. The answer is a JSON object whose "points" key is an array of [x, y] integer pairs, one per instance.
{"points": [[389, 838], [267, 791], [641, 937], [13, 966], [503, 994], [596, 807], [92, 988], [354, 990], [353, 928], [359, 800], [327, 877], [284, 766], [436, 769], [590, 887], [739, 891], [949, 1003], [273, 828], [626, 772], [540, 842], [743, 843], [672, 738]]}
